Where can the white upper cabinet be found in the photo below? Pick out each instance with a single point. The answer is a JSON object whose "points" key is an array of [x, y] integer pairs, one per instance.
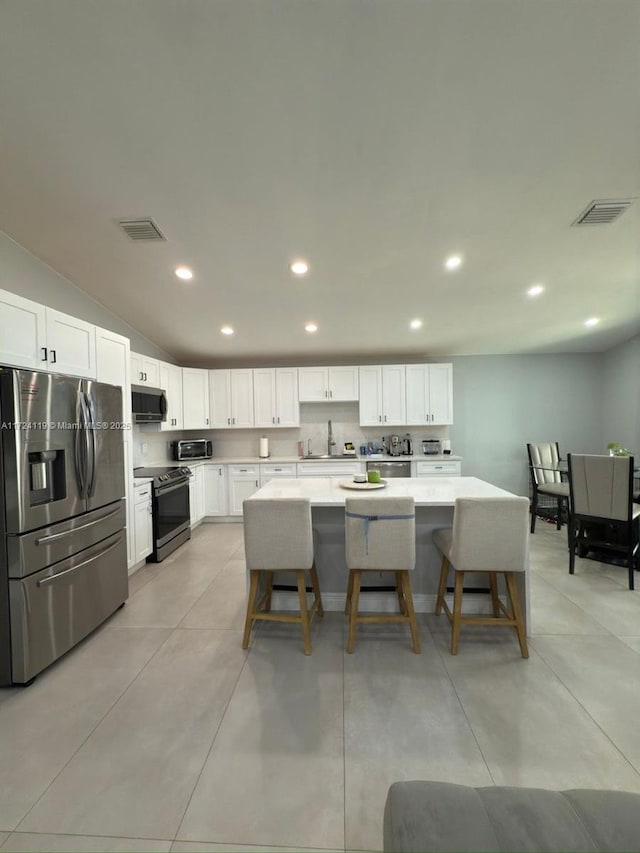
{"points": [[170, 377], [113, 365], [195, 398], [72, 345], [145, 370], [324, 384], [23, 333], [275, 397], [231, 399], [429, 394], [32, 336], [383, 395]]}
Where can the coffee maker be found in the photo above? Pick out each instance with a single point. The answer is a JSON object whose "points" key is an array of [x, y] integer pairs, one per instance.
{"points": [[395, 445], [407, 446]]}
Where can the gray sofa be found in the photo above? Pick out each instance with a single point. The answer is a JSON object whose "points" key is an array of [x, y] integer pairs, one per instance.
{"points": [[439, 816]]}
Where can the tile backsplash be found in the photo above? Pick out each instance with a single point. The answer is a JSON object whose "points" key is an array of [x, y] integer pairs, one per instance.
{"points": [[152, 447]]}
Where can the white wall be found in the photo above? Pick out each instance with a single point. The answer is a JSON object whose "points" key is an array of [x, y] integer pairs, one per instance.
{"points": [[503, 402], [24, 274], [621, 396]]}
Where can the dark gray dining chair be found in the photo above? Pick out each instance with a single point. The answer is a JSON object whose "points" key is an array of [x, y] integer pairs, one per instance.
{"points": [[546, 479], [602, 514]]}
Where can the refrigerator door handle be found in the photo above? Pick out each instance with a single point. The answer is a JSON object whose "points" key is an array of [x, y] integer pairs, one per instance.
{"points": [[53, 578], [81, 447], [53, 537], [91, 446]]}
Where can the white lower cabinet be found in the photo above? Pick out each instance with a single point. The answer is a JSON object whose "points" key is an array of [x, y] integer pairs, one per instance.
{"points": [[330, 469], [143, 522], [215, 490], [196, 494], [436, 468], [272, 471], [244, 480]]}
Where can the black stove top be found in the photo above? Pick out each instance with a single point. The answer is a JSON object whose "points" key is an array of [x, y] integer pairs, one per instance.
{"points": [[170, 474]]}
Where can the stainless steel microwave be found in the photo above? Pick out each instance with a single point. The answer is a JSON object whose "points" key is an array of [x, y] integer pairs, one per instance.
{"points": [[148, 405], [197, 448]]}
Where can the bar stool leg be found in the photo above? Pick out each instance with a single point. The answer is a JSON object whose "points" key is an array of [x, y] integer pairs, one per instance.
{"points": [[304, 612], [517, 613], [442, 586], [353, 619], [411, 613], [347, 604], [493, 584], [251, 604], [316, 590], [402, 604], [268, 591], [457, 612]]}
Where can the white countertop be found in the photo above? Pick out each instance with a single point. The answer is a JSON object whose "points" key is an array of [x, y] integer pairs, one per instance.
{"points": [[276, 460], [141, 481], [430, 491]]}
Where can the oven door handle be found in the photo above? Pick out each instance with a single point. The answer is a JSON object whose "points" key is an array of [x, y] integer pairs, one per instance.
{"points": [[164, 490]]}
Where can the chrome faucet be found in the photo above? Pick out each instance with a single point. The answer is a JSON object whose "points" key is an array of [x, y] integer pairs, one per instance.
{"points": [[330, 442]]}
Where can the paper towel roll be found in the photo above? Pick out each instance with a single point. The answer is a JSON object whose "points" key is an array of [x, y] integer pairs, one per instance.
{"points": [[264, 447]]}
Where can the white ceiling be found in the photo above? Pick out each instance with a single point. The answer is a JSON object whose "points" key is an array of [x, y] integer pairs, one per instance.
{"points": [[373, 137]]}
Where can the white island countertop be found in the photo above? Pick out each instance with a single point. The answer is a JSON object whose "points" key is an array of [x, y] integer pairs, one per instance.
{"points": [[428, 491]]}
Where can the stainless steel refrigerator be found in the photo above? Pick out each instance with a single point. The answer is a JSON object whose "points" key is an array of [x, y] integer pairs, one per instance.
{"points": [[63, 553]]}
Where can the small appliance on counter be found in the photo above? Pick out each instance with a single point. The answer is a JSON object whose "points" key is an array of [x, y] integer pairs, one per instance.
{"points": [[349, 449], [407, 446], [395, 445], [263, 450], [431, 447], [196, 448]]}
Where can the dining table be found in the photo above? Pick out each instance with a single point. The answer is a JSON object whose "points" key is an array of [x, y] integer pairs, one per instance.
{"points": [[434, 503]]}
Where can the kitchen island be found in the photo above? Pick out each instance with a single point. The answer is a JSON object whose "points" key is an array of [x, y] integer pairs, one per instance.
{"points": [[434, 499]]}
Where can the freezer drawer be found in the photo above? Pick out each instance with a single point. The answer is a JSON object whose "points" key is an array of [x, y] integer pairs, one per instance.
{"points": [[33, 551], [54, 609]]}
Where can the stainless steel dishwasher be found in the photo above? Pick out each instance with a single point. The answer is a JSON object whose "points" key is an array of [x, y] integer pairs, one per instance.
{"points": [[390, 469]]}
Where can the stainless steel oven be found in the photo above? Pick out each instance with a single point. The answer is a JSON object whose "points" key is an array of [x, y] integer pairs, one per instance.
{"points": [[170, 509]]}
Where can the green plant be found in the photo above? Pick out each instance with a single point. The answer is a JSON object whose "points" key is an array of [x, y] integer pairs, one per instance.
{"points": [[616, 449]]}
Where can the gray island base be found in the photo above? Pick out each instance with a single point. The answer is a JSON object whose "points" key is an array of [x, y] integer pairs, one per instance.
{"points": [[434, 499]]}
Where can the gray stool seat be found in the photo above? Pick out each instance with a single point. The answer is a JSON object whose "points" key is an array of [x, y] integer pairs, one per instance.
{"points": [[430, 816]]}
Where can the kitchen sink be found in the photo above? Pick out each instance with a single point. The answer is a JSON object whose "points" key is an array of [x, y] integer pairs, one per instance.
{"points": [[329, 456]]}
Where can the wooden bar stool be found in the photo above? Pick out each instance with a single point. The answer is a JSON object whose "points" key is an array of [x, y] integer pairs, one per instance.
{"points": [[278, 537], [489, 535], [380, 536]]}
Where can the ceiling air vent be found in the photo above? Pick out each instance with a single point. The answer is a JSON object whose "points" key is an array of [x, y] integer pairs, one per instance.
{"points": [[141, 229], [602, 212]]}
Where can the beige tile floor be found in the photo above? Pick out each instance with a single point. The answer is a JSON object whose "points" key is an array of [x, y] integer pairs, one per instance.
{"points": [[160, 733]]}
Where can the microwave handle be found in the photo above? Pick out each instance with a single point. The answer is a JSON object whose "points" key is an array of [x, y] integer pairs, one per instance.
{"points": [[163, 404]]}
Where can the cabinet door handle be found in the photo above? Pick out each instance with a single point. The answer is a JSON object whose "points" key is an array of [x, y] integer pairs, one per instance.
{"points": [[44, 353], [52, 353], [273, 420], [385, 419], [278, 420], [229, 420], [233, 420], [380, 418], [256, 484], [331, 393], [207, 419]]}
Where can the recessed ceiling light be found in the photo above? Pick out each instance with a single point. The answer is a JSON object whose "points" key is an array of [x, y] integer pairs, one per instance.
{"points": [[226, 330], [415, 324], [311, 327], [453, 262], [299, 267], [536, 290], [184, 273], [592, 321]]}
